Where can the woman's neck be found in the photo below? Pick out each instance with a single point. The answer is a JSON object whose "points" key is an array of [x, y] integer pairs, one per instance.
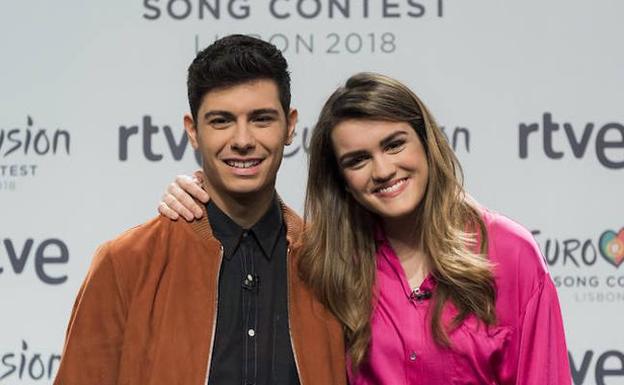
{"points": [[404, 237]]}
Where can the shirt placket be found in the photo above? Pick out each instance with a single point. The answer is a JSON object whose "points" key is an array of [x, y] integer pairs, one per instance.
{"points": [[415, 338], [414, 321], [250, 312]]}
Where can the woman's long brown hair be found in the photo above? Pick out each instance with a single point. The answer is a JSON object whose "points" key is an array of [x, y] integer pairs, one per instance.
{"points": [[338, 259]]}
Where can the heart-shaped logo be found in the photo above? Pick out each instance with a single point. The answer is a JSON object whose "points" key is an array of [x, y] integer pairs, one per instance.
{"points": [[612, 247]]}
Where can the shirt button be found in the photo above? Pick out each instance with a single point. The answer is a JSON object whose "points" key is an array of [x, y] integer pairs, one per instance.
{"points": [[250, 277], [412, 356], [251, 332]]}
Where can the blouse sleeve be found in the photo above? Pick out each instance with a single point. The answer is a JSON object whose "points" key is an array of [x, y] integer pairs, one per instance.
{"points": [[542, 356]]}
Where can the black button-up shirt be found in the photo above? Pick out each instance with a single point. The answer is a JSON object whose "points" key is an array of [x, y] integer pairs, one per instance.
{"points": [[252, 342]]}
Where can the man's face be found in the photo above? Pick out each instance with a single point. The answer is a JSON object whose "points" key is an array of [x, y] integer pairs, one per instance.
{"points": [[241, 132]]}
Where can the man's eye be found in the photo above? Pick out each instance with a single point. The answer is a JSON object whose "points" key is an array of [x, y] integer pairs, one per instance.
{"points": [[264, 119], [218, 121]]}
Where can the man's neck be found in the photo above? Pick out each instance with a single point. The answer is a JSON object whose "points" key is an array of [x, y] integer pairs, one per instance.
{"points": [[244, 210]]}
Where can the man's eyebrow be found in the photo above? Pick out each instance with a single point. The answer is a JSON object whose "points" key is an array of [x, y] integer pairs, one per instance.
{"points": [[224, 114], [263, 111]]}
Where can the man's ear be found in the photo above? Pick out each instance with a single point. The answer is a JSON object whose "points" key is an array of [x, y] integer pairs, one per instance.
{"points": [[191, 130], [291, 122]]}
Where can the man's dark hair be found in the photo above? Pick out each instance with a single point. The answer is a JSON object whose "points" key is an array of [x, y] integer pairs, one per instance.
{"points": [[233, 60]]}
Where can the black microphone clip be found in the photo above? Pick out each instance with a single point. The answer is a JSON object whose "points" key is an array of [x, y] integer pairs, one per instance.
{"points": [[420, 295], [251, 282]]}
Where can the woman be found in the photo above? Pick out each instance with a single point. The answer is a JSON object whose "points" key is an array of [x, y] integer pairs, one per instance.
{"points": [[429, 286]]}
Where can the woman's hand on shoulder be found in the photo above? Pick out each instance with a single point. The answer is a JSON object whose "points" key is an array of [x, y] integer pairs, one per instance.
{"points": [[178, 197]]}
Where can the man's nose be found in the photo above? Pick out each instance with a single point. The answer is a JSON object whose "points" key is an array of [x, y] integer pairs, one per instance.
{"points": [[243, 140]]}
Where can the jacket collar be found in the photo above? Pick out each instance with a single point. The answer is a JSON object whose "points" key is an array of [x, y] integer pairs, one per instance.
{"points": [[292, 221], [266, 231]]}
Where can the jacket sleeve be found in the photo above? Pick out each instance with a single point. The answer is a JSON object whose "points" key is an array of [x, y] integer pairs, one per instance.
{"points": [[95, 332], [542, 353]]}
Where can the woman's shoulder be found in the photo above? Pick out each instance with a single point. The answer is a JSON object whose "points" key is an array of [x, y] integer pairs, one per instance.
{"points": [[504, 230], [513, 250]]}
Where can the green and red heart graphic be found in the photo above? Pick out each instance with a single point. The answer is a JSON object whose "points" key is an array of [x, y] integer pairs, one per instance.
{"points": [[612, 247]]}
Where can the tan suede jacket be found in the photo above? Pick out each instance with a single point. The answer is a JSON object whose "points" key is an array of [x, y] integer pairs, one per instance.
{"points": [[146, 312]]}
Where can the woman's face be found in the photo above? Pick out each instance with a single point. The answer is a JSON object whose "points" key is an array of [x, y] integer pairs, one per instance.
{"points": [[384, 164]]}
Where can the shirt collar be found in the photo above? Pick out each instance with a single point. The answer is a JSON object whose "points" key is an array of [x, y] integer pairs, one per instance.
{"points": [[266, 231], [388, 261]]}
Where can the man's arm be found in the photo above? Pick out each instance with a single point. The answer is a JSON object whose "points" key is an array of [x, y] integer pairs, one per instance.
{"points": [[95, 332]]}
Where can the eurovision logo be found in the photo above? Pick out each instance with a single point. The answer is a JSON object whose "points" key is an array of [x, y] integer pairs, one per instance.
{"points": [[286, 9], [24, 365], [583, 251], [612, 247], [580, 265], [22, 147]]}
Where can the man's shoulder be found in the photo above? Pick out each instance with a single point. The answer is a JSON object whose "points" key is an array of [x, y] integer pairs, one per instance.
{"points": [[140, 235], [294, 224], [148, 250], [148, 241]]}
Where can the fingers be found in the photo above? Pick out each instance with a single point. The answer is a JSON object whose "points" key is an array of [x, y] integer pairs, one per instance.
{"points": [[180, 190], [199, 175], [178, 198], [192, 186], [171, 202], [164, 210]]}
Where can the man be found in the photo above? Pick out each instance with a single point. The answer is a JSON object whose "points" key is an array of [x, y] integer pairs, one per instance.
{"points": [[217, 300]]}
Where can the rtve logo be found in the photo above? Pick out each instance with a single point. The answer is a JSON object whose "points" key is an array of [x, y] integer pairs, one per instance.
{"points": [[607, 140], [158, 143], [151, 136], [42, 254]]}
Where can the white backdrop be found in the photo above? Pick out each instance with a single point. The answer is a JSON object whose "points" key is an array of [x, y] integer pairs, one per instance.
{"points": [[92, 96]]}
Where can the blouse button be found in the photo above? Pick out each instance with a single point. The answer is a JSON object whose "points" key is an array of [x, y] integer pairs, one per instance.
{"points": [[412, 356]]}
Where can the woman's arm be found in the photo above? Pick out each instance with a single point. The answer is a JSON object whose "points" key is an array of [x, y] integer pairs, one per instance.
{"points": [[178, 197]]}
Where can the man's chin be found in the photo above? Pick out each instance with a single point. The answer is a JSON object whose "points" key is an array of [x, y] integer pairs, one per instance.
{"points": [[240, 188], [243, 190]]}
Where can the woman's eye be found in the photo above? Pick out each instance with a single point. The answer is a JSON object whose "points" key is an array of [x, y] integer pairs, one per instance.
{"points": [[355, 162], [395, 145]]}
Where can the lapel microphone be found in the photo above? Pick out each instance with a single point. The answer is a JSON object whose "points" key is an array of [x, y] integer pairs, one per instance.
{"points": [[251, 282], [419, 295]]}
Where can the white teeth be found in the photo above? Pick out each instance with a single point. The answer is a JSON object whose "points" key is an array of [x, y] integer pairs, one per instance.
{"points": [[242, 163], [392, 188]]}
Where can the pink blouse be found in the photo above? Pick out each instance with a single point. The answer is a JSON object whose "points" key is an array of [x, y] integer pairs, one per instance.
{"points": [[526, 346]]}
